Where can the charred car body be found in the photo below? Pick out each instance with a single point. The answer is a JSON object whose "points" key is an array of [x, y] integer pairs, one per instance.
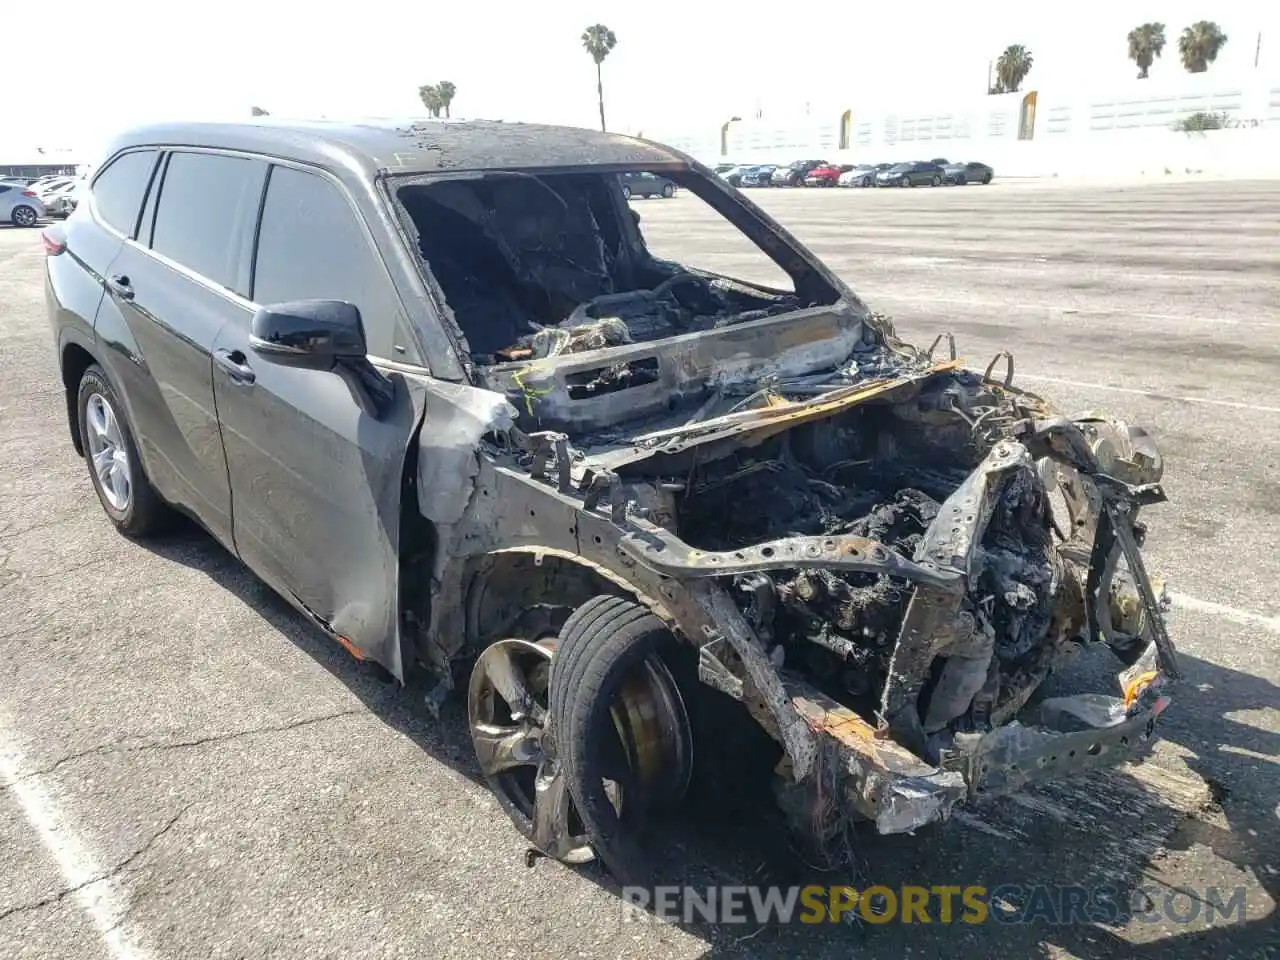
{"points": [[610, 485]]}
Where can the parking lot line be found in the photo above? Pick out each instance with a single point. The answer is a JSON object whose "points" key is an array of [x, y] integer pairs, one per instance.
{"points": [[93, 887], [991, 303], [1257, 407], [1246, 617]]}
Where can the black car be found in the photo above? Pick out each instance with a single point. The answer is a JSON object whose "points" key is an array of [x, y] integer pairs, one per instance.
{"points": [[793, 174], [646, 185], [971, 172], [429, 383], [917, 173]]}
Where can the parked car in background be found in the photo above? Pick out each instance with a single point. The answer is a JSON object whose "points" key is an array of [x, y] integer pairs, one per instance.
{"points": [[862, 175], [912, 174], [793, 174], [20, 206], [760, 175], [971, 172], [46, 186], [60, 201], [826, 176], [16, 181], [940, 161], [646, 185], [723, 168], [732, 175]]}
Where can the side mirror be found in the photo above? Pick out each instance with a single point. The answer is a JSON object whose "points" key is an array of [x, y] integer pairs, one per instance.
{"points": [[314, 334]]}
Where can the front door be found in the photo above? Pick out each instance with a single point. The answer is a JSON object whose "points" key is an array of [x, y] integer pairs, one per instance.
{"points": [[315, 477]]}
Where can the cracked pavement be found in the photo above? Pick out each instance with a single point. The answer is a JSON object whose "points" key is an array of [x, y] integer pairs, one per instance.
{"points": [[245, 789]]}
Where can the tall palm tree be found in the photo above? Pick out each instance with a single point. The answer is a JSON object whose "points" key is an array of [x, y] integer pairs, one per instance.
{"points": [[1145, 44], [447, 92], [259, 112], [1200, 45], [598, 40], [431, 99], [1012, 67]]}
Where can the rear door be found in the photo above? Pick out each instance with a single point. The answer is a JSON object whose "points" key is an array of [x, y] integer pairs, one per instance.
{"points": [[315, 479], [169, 292]]}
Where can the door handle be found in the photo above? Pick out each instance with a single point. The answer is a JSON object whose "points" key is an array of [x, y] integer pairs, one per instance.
{"points": [[120, 285], [236, 364]]}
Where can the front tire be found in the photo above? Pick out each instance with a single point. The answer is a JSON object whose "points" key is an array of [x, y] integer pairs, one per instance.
{"points": [[626, 192], [937, 180], [668, 191], [613, 651], [24, 216], [115, 469], [986, 178]]}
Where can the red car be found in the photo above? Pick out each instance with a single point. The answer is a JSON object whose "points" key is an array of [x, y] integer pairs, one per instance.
{"points": [[825, 176]]}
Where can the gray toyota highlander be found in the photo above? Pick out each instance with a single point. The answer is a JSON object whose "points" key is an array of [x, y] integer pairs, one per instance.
{"points": [[429, 382]]}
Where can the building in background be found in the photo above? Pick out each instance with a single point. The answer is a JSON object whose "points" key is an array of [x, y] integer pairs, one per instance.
{"points": [[27, 161]]}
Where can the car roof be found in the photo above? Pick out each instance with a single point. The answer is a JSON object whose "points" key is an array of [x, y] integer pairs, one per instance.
{"points": [[412, 146]]}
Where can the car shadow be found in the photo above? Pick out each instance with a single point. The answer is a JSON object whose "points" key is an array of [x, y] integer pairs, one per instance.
{"points": [[1057, 835]]}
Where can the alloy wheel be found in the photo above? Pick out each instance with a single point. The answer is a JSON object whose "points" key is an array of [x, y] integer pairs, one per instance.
{"points": [[108, 452]]}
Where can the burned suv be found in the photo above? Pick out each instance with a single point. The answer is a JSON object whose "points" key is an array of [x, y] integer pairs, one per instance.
{"points": [[432, 385]]}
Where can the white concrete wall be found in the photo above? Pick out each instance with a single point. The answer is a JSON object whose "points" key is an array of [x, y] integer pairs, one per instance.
{"points": [[1122, 130]]}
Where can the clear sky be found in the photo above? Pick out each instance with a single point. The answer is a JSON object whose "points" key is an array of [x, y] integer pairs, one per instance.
{"points": [[107, 63]]}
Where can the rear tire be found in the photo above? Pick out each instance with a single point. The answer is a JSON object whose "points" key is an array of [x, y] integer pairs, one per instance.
{"points": [[937, 180], [986, 178], [668, 191], [603, 644], [134, 508], [24, 216], [626, 192]]}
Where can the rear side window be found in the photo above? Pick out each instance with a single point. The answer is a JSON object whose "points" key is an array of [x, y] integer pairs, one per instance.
{"points": [[205, 215], [119, 189], [312, 246]]}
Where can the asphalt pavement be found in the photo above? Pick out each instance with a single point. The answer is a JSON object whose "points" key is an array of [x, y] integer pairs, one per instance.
{"points": [[189, 770]]}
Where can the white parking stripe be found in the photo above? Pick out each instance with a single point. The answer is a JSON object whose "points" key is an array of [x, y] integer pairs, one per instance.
{"points": [[871, 295], [91, 885], [1246, 617], [1156, 394]]}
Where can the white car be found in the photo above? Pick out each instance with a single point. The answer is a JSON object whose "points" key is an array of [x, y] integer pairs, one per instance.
{"points": [[20, 206], [863, 175], [60, 201]]}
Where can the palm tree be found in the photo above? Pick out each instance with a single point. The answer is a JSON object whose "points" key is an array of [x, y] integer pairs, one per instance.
{"points": [[598, 40], [259, 112], [1145, 44], [1012, 67], [1200, 45], [431, 99], [447, 92]]}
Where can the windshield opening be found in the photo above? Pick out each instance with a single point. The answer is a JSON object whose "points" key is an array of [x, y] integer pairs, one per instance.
{"points": [[536, 265]]}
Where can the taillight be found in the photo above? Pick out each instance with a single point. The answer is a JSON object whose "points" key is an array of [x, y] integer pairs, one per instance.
{"points": [[28, 193], [54, 241]]}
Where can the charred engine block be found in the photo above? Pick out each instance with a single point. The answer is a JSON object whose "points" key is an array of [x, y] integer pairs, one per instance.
{"points": [[857, 476]]}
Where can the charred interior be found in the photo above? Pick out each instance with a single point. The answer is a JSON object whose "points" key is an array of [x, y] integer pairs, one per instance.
{"points": [[534, 266]]}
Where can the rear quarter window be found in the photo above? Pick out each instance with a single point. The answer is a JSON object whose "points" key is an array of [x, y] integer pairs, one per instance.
{"points": [[118, 190]]}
